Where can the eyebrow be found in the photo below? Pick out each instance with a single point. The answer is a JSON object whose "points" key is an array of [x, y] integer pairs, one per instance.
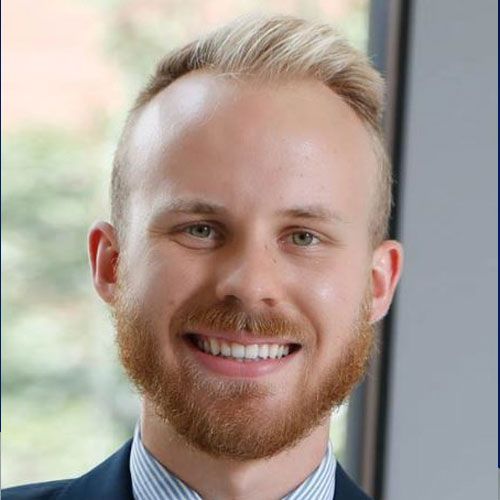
{"points": [[193, 206], [199, 206], [313, 212]]}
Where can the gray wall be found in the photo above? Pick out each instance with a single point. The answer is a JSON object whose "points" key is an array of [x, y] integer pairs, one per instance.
{"points": [[442, 426]]}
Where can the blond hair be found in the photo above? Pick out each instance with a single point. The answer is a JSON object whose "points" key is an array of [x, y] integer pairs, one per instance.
{"points": [[275, 48]]}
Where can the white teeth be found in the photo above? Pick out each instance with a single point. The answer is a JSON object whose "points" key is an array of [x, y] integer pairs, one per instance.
{"points": [[225, 349], [217, 347], [206, 346], [214, 347], [273, 351], [251, 351], [263, 351], [237, 350]]}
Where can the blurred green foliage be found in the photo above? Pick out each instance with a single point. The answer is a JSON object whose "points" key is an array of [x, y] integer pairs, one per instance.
{"points": [[61, 385], [66, 404]]}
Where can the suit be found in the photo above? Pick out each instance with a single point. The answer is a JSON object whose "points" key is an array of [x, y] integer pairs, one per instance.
{"points": [[111, 481]]}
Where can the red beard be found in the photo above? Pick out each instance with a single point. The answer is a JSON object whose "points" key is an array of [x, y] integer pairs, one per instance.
{"points": [[227, 418]]}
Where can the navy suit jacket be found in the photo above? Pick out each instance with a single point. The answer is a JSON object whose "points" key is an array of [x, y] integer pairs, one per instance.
{"points": [[111, 481]]}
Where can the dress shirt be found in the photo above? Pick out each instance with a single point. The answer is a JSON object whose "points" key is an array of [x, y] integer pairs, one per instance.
{"points": [[152, 481]]}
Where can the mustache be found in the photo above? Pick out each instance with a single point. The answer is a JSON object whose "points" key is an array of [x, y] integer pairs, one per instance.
{"points": [[229, 317]]}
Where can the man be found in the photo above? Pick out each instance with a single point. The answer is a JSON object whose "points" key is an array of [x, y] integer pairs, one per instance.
{"points": [[245, 265]]}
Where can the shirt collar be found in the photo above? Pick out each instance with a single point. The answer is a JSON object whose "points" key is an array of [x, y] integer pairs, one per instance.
{"points": [[152, 481]]}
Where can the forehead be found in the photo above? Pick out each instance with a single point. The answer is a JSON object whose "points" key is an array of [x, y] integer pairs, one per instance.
{"points": [[213, 135]]}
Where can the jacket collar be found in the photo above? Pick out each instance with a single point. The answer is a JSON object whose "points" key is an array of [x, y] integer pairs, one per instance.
{"points": [[110, 480]]}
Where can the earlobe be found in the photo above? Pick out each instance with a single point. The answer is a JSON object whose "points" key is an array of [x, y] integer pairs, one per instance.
{"points": [[387, 264], [103, 254]]}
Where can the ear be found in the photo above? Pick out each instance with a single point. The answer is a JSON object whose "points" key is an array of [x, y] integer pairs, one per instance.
{"points": [[103, 253], [387, 264]]}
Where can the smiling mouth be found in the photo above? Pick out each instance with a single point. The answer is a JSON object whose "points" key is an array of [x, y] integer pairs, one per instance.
{"points": [[221, 348]]}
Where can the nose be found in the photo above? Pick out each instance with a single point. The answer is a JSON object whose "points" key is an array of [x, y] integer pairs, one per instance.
{"points": [[250, 275]]}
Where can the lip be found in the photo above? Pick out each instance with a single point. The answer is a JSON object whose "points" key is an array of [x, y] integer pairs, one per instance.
{"points": [[241, 337], [238, 369]]}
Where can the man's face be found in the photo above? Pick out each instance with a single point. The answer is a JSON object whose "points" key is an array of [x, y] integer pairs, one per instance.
{"points": [[247, 227]]}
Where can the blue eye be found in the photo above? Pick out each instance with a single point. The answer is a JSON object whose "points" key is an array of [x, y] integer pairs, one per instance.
{"points": [[200, 230], [304, 239]]}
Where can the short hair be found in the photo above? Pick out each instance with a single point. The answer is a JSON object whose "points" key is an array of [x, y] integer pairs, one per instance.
{"points": [[272, 49]]}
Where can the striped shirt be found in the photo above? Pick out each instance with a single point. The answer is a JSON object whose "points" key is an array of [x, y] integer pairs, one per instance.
{"points": [[152, 481]]}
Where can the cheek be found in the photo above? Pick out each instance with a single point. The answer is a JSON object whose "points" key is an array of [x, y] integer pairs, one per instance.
{"points": [[334, 289], [161, 281], [330, 300]]}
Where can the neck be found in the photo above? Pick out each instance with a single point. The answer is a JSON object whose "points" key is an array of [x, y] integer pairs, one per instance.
{"points": [[226, 479]]}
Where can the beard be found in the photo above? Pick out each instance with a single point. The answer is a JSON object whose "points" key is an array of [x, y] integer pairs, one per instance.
{"points": [[234, 419]]}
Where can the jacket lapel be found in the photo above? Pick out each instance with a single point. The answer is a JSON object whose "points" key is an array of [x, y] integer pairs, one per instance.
{"points": [[108, 481], [345, 488]]}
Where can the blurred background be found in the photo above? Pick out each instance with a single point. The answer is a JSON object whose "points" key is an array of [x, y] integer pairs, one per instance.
{"points": [[70, 71], [424, 423]]}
